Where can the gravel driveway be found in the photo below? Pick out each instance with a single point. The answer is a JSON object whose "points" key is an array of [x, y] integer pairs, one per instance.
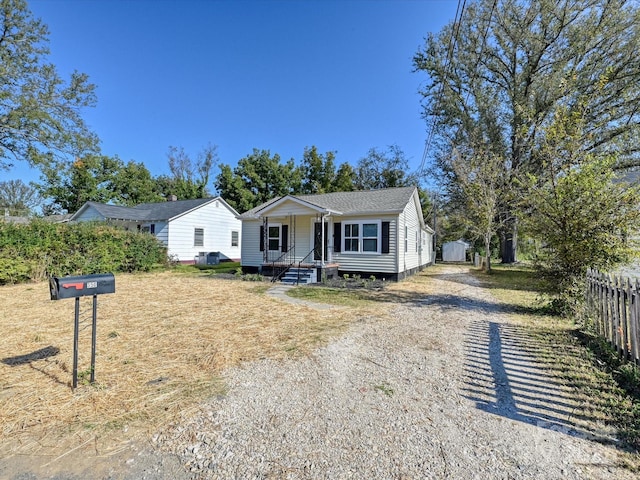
{"points": [[447, 388]]}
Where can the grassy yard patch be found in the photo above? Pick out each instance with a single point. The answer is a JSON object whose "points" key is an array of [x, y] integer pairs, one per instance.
{"points": [[335, 296], [162, 341], [209, 270]]}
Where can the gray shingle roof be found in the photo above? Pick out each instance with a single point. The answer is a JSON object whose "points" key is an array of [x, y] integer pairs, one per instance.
{"points": [[165, 210], [148, 211], [391, 200]]}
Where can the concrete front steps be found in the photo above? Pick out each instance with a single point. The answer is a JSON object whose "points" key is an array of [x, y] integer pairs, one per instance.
{"points": [[299, 275]]}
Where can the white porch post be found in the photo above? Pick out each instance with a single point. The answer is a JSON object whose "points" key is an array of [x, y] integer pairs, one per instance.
{"points": [[265, 239], [324, 218]]}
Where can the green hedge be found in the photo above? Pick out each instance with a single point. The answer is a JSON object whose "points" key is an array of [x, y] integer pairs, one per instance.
{"points": [[34, 251]]}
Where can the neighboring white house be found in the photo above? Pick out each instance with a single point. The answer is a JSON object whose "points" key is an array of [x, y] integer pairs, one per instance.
{"points": [[191, 229], [379, 232], [455, 251]]}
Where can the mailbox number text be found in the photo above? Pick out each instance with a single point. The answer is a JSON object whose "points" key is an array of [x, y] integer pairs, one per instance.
{"points": [[92, 284]]}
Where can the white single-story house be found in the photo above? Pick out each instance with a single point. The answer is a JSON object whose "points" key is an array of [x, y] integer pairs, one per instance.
{"points": [[378, 232], [191, 229], [455, 251]]}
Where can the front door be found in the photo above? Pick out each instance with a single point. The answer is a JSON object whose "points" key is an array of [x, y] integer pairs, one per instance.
{"points": [[317, 241]]}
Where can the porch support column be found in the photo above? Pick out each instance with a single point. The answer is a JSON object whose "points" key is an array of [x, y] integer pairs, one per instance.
{"points": [[322, 222], [265, 239]]}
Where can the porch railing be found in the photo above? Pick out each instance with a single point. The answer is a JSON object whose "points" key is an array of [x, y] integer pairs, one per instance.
{"points": [[279, 267], [282, 263]]}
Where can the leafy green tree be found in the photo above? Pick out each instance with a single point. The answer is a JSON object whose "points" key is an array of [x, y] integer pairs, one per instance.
{"points": [[257, 178], [189, 179], [479, 179], [39, 112], [577, 209], [18, 198], [345, 178], [89, 178], [383, 169], [507, 66], [132, 184], [318, 171]]}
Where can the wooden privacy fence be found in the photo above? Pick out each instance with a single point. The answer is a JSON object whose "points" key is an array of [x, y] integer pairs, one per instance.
{"points": [[614, 303]]}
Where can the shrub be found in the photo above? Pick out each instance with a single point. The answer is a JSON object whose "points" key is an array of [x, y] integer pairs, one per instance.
{"points": [[39, 249]]}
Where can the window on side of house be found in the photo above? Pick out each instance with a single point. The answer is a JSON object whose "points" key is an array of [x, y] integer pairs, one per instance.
{"points": [[362, 236], [406, 239], [198, 237], [417, 242], [235, 238]]}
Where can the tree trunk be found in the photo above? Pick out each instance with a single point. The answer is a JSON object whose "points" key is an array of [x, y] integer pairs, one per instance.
{"points": [[509, 241], [487, 250]]}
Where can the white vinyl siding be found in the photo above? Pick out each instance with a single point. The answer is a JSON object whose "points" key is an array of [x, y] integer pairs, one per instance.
{"points": [[373, 262], [251, 254], [413, 257], [217, 221], [89, 214]]}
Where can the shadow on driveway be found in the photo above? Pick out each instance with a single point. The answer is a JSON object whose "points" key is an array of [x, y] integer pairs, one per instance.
{"points": [[512, 374]]}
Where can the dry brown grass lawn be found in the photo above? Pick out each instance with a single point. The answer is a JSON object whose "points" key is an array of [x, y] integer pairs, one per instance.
{"points": [[162, 341]]}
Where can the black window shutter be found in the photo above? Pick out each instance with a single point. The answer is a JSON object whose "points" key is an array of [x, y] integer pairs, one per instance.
{"points": [[262, 238], [285, 238], [385, 237], [337, 236]]}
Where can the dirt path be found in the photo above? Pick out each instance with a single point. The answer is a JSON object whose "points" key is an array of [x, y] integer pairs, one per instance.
{"points": [[448, 387]]}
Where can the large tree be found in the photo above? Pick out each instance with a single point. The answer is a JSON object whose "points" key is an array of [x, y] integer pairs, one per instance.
{"points": [[383, 169], [89, 178], [257, 178], [478, 180], [318, 170], [189, 178], [507, 66], [133, 184], [576, 206], [18, 198], [40, 117]]}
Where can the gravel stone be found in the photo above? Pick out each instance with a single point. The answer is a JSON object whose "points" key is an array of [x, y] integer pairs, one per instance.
{"points": [[447, 387]]}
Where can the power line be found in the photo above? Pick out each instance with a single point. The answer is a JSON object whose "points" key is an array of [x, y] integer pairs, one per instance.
{"points": [[455, 31], [452, 42]]}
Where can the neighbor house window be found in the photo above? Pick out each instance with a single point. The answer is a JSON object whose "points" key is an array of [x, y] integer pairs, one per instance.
{"points": [[417, 241], [198, 237], [234, 238], [362, 237]]}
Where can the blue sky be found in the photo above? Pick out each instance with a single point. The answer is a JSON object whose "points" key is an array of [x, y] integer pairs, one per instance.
{"points": [[274, 75]]}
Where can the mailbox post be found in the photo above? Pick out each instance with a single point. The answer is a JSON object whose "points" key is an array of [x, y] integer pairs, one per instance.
{"points": [[76, 287]]}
